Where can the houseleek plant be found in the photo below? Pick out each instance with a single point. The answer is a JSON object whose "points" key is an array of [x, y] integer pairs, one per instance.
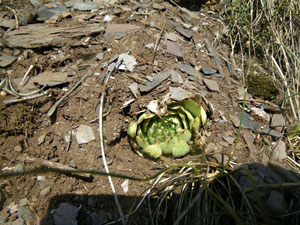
{"points": [[170, 133]]}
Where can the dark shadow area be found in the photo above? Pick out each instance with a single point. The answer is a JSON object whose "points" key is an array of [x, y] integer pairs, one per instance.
{"points": [[257, 194]]}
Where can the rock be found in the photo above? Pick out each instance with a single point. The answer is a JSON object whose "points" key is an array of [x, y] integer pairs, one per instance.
{"points": [[41, 139], [211, 85], [125, 186], [250, 144], [184, 32], [45, 191], [3, 217], [158, 6], [261, 114], [176, 78], [65, 214], [174, 48], [18, 148], [219, 158], [189, 70], [85, 6], [98, 218], [229, 139], [13, 208], [275, 203], [26, 215], [211, 147], [172, 36], [8, 23], [129, 63], [46, 13], [277, 122], [208, 71], [6, 60], [235, 120], [279, 152], [119, 30], [18, 221], [178, 93], [134, 88], [23, 202], [84, 134], [99, 56], [158, 78], [36, 3]]}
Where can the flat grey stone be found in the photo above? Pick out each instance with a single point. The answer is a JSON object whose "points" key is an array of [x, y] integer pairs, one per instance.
{"points": [[84, 134], [275, 202], [217, 75], [134, 88], [3, 217], [65, 214], [208, 71], [172, 36], [41, 139], [23, 202], [220, 158], [174, 48], [184, 32], [8, 23], [176, 78], [26, 215], [158, 6], [85, 6], [260, 113], [178, 93], [45, 191], [18, 221], [113, 30], [6, 60], [157, 80], [129, 63], [189, 70], [277, 121], [36, 3], [46, 13], [211, 85], [279, 151]]}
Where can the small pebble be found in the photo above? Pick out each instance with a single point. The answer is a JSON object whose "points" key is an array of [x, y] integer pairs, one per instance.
{"points": [[3, 93]]}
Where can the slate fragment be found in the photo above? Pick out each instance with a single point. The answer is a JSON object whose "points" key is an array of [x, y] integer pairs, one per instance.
{"points": [[178, 93], [44, 35], [65, 214], [46, 13], [174, 48], [84, 134], [6, 60], [189, 70], [208, 71], [113, 30], [157, 80], [211, 85], [184, 32], [85, 6]]}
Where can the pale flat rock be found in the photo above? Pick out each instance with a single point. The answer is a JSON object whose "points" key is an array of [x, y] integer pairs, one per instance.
{"points": [[44, 35], [172, 36], [134, 88], [279, 152], [6, 60], [208, 71], [119, 29], [176, 78], [84, 134], [157, 80], [178, 93], [184, 32], [189, 70], [211, 85], [275, 203], [174, 48], [129, 63], [85, 6], [261, 114], [46, 13], [277, 122]]}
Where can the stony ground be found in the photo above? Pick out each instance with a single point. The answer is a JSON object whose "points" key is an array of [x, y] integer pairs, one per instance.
{"points": [[168, 51]]}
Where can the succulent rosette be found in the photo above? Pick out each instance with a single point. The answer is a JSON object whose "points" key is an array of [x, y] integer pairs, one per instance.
{"points": [[170, 133]]}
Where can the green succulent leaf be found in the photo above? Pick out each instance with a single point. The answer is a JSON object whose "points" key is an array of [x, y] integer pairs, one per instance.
{"points": [[166, 147], [203, 115], [196, 125], [132, 129], [153, 151], [191, 106], [180, 148], [143, 143]]}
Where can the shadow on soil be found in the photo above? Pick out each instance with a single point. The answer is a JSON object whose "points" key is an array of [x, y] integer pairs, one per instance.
{"points": [[274, 199]]}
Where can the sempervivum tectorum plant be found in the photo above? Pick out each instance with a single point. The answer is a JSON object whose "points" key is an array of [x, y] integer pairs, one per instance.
{"points": [[170, 133]]}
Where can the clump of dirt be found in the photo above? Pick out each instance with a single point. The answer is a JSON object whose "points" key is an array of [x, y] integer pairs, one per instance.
{"points": [[16, 120]]}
